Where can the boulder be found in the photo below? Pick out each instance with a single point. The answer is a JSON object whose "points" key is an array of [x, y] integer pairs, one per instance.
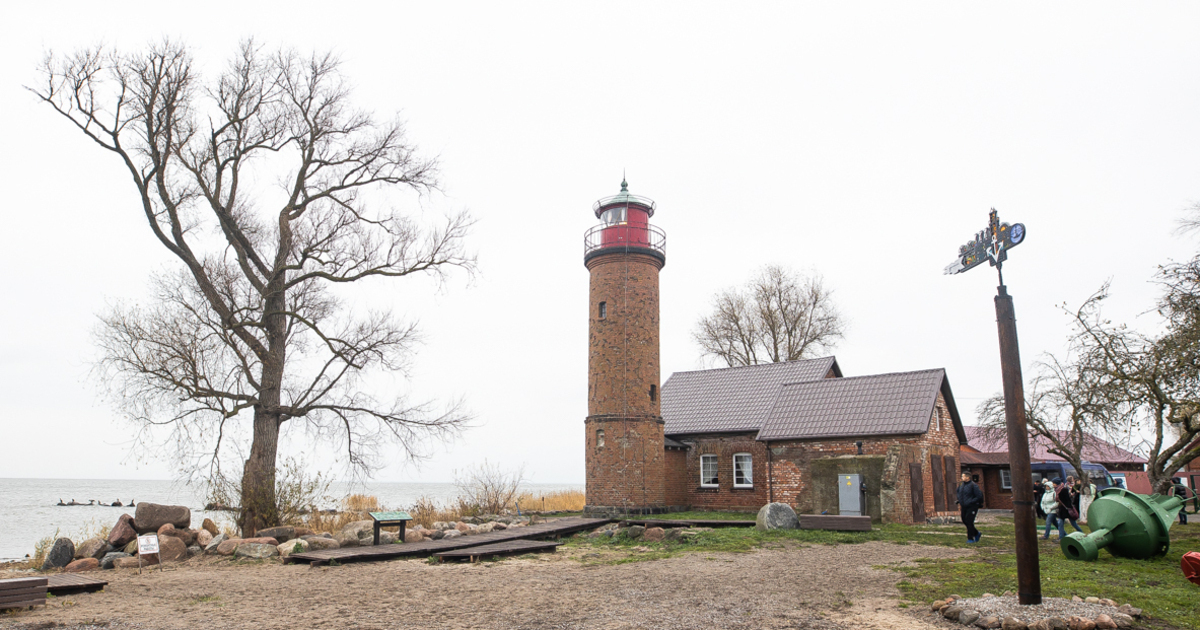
{"points": [[601, 533], [172, 549], [988, 622], [1012, 623], [282, 533], [210, 527], [952, 612], [122, 533], [93, 548], [261, 540], [451, 533], [1041, 624], [1057, 623], [131, 548], [151, 516], [167, 529], [485, 528], [776, 516], [256, 550], [60, 555], [226, 547], [85, 564], [107, 561], [195, 550], [654, 534], [216, 541], [301, 532], [357, 534], [1130, 610], [385, 538], [1092, 600], [498, 525], [203, 537], [188, 536], [290, 547], [635, 532], [968, 617], [672, 533], [1122, 620], [463, 527], [1108, 602], [1106, 622], [317, 543], [127, 562], [414, 535]]}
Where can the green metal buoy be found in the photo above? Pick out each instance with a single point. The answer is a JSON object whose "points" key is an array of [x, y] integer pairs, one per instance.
{"points": [[1128, 524]]}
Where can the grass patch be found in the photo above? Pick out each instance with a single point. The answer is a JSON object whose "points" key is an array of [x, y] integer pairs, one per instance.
{"points": [[205, 599]]}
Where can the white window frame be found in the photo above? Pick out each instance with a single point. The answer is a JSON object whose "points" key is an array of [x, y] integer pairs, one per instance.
{"points": [[748, 474], [1006, 479], [716, 476]]}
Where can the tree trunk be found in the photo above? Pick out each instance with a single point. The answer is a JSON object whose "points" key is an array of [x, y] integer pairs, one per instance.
{"points": [[258, 476]]}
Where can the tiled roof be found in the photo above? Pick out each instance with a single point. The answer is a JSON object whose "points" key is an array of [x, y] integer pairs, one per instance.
{"points": [[881, 404], [1094, 449], [732, 399], [968, 458]]}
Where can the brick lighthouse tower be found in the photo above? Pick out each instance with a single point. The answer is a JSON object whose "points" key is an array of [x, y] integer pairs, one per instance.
{"points": [[624, 425]]}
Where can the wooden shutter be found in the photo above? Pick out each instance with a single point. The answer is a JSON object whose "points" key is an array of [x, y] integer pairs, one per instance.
{"points": [[951, 481], [916, 484], [939, 492]]}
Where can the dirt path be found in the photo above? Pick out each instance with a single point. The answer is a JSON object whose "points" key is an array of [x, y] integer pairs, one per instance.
{"points": [[820, 587]]}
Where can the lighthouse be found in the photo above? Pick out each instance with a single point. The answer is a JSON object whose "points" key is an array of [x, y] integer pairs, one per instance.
{"points": [[624, 426]]}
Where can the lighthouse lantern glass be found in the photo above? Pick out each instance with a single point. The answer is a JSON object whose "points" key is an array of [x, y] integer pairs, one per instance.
{"points": [[613, 216]]}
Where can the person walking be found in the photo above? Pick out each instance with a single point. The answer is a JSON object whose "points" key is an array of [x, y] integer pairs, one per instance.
{"points": [[1049, 507], [1180, 491], [970, 499], [1087, 494], [1065, 506], [1073, 510]]}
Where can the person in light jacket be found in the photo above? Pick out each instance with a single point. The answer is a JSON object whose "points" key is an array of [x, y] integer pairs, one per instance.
{"points": [[970, 499], [1050, 507]]}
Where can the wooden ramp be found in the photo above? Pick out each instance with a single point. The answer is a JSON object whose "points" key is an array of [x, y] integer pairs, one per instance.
{"points": [[22, 592], [71, 583], [550, 529], [688, 523], [508, 548]]}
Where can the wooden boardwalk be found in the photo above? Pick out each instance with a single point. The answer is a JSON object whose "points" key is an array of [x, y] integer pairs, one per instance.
{"points": [[70, 583], [652, 522], [550, 529], [22, 592], [509, 548]]}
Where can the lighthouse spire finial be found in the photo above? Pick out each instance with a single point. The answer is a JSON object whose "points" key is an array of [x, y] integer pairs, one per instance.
{"points": [[624, 184]]}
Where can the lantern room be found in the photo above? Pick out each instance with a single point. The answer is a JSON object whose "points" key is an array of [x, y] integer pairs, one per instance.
{"points": [[624, 227]]}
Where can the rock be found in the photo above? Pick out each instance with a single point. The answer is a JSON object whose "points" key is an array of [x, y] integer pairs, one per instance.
{"points": [[937, 605], [951, 612], [485, 528], [203, 537], [131, 548], [216, 541], [123, 532], [385, 538], [1130, 610], [151, 516], [195, 550], [968, 616], [84, 564], [499, 525], [358, 533], [451, 533], [1012, 623], [1041, 624], [168, 529], [171, 549], [210, 527], [226, 547], [954, 598], [437, 534], [987, 595], [317, 543], [413, 535], [301, 532], [1076, 598], [465, 528], [282, 533], [188, 536], [1122, 620], [635, 532], [107, 561], [290, 547], [127, 562], [603, 533], [256, 550], [988, 622], [261, 540], [347, 539], [1092, 600], [1057, 623], [60, 555], [1108, 602], [93, 548], [1075, 622], [776, 516], [1106, 622], [654, 534], [672, 533], [148, 559]]}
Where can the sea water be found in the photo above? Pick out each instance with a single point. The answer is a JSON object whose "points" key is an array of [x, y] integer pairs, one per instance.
{"points": [[29, 510]]}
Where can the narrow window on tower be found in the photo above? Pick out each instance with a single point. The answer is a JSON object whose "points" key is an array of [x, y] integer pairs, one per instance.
{"points": [[599, 438], [653, 393], [603, 310]]}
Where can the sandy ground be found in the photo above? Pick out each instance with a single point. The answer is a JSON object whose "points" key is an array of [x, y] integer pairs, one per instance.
{"points": [[821, 587]]}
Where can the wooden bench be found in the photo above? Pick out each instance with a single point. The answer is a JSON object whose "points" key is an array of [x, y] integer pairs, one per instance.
{"points": [[834, 522], [23, 592], [386, 519]]}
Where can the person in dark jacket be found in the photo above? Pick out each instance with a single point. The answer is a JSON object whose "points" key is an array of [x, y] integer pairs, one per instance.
{"points": [[970, 499], [1181, 491]]}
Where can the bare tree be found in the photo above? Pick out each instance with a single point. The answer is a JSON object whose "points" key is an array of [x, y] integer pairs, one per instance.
{"points": [[250, 324], [779, 315]]}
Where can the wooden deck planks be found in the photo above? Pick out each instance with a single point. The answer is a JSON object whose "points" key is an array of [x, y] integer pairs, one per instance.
{"points": [[22, 592], [555, 528], [507, 548], [652, 522], [834, 522], [68, 583]]}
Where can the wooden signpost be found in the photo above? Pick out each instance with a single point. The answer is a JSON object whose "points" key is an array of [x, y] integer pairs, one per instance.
{"points": [[992, 245]]}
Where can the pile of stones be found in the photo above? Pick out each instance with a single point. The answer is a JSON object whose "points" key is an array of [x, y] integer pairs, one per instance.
{"points": [[177, 541], [1006, 613], [647, 534]]}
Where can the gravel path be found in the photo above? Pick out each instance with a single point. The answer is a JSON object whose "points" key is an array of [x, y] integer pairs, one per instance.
{"points": [[821, 587]]}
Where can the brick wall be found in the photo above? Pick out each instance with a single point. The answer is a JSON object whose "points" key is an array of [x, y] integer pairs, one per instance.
{"points": [[675, 478], [626, 471], [725, 496]]}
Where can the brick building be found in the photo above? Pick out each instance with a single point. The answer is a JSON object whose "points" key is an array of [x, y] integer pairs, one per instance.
{"points": [[985, 456], [738, 438]]}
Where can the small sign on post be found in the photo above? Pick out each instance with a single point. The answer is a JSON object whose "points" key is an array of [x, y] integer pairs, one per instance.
{"points": [[147, 544]]}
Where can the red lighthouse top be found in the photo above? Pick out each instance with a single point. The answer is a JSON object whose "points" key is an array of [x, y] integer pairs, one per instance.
{"points": [[625, 227]]}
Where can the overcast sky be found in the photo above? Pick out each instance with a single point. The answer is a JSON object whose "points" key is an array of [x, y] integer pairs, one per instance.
{"points": [[864, 142]]}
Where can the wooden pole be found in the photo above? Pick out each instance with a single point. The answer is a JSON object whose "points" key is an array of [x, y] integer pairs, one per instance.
{"points": [[1029, 580]]}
